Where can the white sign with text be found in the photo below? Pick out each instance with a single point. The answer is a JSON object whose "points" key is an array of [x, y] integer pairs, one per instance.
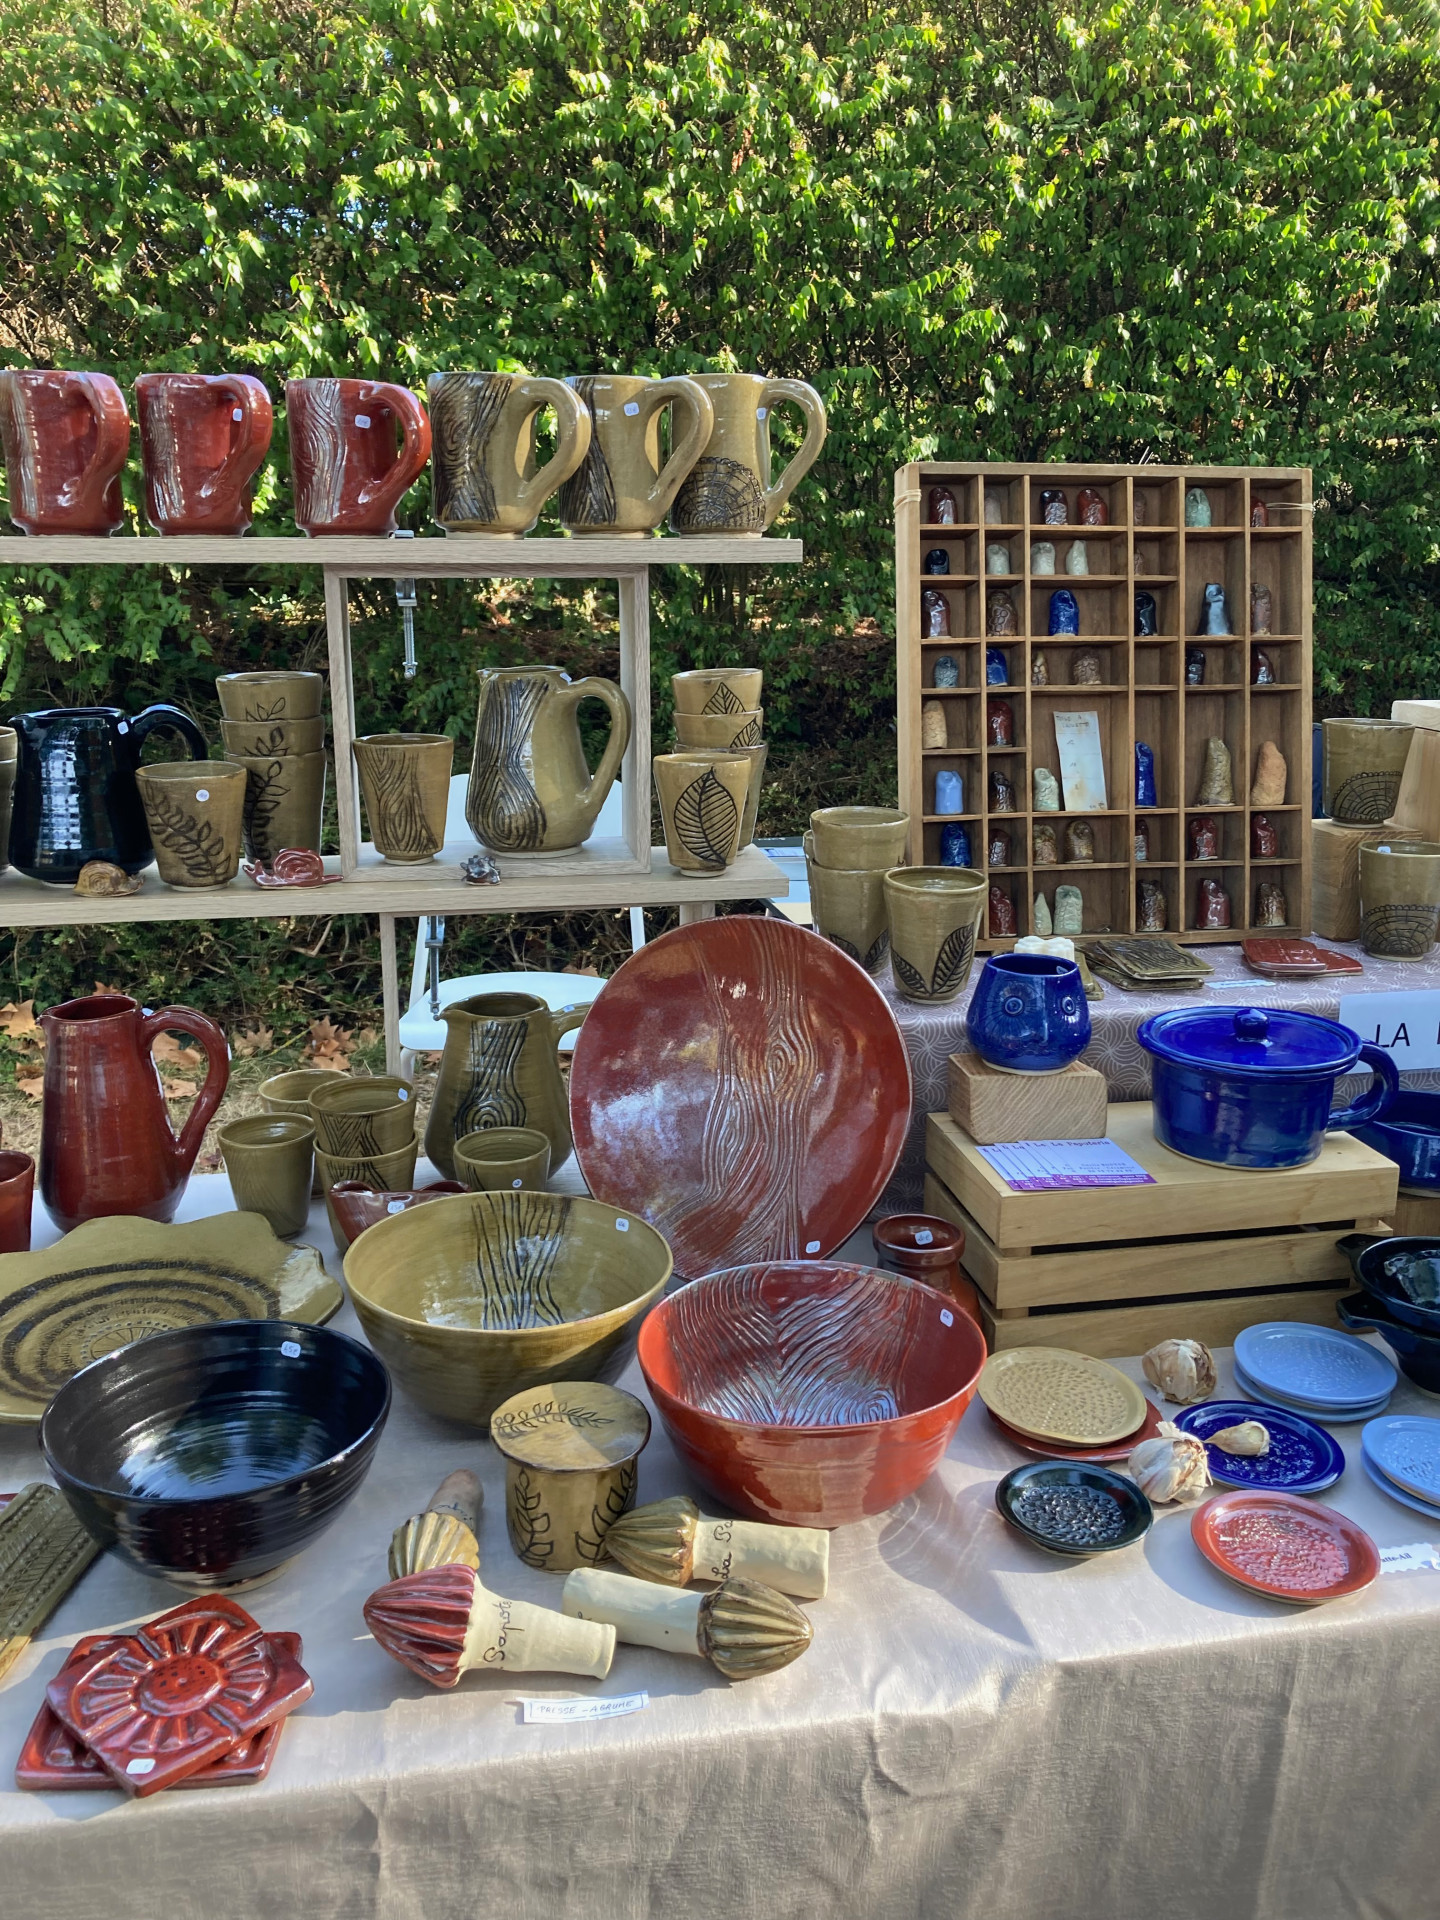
{"points": [[1406, 1024]]}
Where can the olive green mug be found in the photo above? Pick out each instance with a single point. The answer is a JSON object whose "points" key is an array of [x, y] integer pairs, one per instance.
{"points": [[1399, 898], [497, 1158], [270, 1160]]}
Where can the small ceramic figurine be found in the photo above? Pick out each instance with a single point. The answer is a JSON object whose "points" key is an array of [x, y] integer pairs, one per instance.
{"points": [[1077, 558], [1000, 723], [1268, 787], [1212, 906], [1002, 792], [1264, 841], [1259, 514], [932, 725], [1042, 557], [1040, 917], [1262, 668], [949, 792], [1262, 607], [1000, 614], [477, 870], [1150, 913], [997, 557], [942, 507], [996, 513], [997, 667], [1142, 841], [947, 674], [1046, 848], [1197, 507], [934, 614], [1194, 666], [1047, 791], [1214, 611], [937, 560], [103, 880], [1039, 668], [1217, 781], [1068, 913], [1085, 669], [1064, 612], [1079, 843], [1054, 510], [1145, 614], [1090, 508], [954, 846], [1002, 920], [997, 853], [1145, 775], [1270, 905], [1204, 838]]}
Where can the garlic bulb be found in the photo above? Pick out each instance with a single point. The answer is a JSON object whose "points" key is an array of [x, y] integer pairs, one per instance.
{"points": [[1172, 1466], [1249, 1437], [1182, 1370]]}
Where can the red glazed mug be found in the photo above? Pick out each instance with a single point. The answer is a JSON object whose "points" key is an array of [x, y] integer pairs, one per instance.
{"points": [[348, 472], [202, 438], [65, 437], [17, 1195]]}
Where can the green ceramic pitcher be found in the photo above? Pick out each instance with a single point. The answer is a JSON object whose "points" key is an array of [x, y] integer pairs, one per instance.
{"points": [[530, 789], [499, 1069]]}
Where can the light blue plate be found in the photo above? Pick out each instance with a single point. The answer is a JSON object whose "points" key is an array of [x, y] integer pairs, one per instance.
{"points": [[1316, 1366], [1397, 1493], [1407, 1451], [1302, 1458], [1336, 1416]]}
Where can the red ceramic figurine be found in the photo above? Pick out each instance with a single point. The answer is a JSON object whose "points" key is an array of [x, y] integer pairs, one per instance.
{"points": [[202, 436], [1212, 906], [1091, 509], [105, 1144], [349, 474], [65, 437]]}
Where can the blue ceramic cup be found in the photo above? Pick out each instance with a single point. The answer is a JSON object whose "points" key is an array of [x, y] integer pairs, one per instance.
{"points": [[1028, 1013]]}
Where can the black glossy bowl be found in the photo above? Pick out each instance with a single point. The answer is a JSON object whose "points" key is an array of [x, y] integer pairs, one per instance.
{"points": [[212, 1454], [1369, 1255], [1416, 1354], [1040, 1476]]}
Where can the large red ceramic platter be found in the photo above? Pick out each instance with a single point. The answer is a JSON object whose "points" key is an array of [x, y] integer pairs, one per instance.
{"points": [[745, 1088], [1286, 1547]]}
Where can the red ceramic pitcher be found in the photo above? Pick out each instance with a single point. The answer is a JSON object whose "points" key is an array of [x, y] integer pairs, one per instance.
{"points": [[65, 438], [348, 471], [105, 1142], [202, 437]]}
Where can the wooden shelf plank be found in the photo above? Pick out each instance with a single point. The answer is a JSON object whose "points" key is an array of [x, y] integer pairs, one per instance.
{"points": [[447, 555]]}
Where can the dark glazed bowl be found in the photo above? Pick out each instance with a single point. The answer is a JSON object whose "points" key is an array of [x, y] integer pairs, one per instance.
{"points": [[1416, 1354], [212, 1454], [1370, 1256], [354, 1206], [808, 1392], [1038, 1475], [1409, 1134]]}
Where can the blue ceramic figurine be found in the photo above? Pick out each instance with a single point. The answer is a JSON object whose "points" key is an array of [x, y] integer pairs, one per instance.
{"points": [[949, 792], [937, 560], [954, 846], [997, 667], [1145, 614], [947, 674], [1064, 612], [1145, 775]]}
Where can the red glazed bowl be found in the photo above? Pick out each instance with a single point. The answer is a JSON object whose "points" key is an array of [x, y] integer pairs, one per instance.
{"points": [[354, 1206], [807, 1392]]}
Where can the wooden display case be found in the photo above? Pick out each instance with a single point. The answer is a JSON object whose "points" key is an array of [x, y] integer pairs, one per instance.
{"points": [[1141, 693]]}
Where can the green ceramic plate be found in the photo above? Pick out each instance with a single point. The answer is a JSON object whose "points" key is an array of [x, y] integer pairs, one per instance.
{"points": [[116, 1280]]}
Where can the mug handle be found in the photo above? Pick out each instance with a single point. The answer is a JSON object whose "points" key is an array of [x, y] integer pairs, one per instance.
{"points": [[252, 443], [691, 444], [410, 462], [112, 438], [217, 1076], [572, 421], [167, 719], [567, 1020], [801, 394], [594, 688], [1372, 1104]]}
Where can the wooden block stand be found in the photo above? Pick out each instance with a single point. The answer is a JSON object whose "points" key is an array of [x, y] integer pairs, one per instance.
{"points": [[1203, 1253], [1142, 694], [990, 1105]]}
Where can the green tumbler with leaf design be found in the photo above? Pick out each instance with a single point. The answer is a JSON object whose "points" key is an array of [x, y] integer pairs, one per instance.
{"points": [[702, 803], [934, 923]]}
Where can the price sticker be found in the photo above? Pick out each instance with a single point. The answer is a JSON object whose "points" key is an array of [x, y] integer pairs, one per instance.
{"points": [[362, 419], [559, 1712], [632, 406]]}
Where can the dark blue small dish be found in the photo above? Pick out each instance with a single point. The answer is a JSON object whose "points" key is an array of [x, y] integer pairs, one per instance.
{"points": [[1302, 1457], [1409, 1134], [1416, 1354], [1028, 1013], [211, 1454], [1070, 1508]]}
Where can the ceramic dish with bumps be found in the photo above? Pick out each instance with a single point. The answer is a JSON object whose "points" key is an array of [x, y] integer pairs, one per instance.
{"points": [[1285, 1547], [1051, 1393], [1073, 1508], [1057, 1450], [474, 1297], [1300, 1458], [810, 1392]]}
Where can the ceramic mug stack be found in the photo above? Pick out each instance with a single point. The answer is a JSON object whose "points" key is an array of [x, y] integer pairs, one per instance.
{"points": [[848, 852], [709, 787], [271, 725], [364, 1130]]}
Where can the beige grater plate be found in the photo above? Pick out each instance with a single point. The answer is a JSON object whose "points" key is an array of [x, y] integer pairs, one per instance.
{"points": [[1054, 1394]]}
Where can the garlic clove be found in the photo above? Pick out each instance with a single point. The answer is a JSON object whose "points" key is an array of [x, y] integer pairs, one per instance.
{"points": [[1248, 1438], [1182, 1370], [1171, 1466]]}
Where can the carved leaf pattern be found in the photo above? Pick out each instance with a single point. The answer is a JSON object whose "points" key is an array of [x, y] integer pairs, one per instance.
{"points": [[194, 842], [619, 1498], [707, 821], [950, 964], [723, 700], [529, 1522]]}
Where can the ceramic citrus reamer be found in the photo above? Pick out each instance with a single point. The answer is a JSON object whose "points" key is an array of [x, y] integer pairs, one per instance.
{"points": [[743, 1627], [672, 1542]]}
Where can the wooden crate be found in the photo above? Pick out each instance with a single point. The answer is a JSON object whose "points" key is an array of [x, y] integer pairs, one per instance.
{"points": [[1143, 692], [1086, 1267]]}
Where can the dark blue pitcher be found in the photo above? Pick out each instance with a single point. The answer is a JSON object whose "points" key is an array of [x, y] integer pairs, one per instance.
{"points": [[76, 798]]}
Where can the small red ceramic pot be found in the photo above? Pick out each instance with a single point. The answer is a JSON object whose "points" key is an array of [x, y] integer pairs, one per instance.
{"points": [[354, 1206], [929, 1249], [348, 471], [17, 1197], [66, 437], [202, 437]]}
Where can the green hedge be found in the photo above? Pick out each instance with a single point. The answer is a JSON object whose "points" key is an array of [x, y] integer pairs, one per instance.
{"points": [[1187, 229]]}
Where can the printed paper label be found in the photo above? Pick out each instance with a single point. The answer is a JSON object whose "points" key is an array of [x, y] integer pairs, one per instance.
{"points": [[1420, 1555], [1406, 1024], [1033, 1166], [552, 1712], [362, 419]]}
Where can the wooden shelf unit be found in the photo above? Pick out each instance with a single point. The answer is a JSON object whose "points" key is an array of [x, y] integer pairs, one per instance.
{"points": [[607, 873], [1142, 694]]}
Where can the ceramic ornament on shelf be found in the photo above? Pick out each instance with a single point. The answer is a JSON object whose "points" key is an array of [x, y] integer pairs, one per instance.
{"points": [[672, 1543], [445, 1533], [743, 1628], [443, 1622]]}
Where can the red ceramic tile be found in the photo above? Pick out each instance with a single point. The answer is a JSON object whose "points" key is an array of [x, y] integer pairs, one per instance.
{"points": [[157, 1705], [1284, 1546], [744, 1087]]}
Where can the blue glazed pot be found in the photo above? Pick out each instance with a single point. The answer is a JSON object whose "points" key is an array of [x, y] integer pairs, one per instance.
{"points": [[1028, 1013], [1242, 1087]]}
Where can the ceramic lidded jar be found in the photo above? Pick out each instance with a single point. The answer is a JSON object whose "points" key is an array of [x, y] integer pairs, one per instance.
{"points": [[530, 788], [572, 1453], [499, 1069], [1028, 1013]]}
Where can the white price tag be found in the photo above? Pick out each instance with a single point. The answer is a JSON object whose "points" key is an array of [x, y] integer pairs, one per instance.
{"points": [[632, 406], [760, 412], [202, 793], [1419, 1555], [237, 413], [947, 1318], [553, 1712], [1406, 1024], [924, 1237], [290, 1349], [812, 1246], [362, 419], [396, 1206]]}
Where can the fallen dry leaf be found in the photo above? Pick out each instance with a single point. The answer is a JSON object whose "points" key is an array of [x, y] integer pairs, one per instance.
{"points": [[367, 1036], [168, 1052], [176, 1089], [246, 1042], [100, 987], [32, 1085], [212, 1162], [588, 973], [18, 1022]]}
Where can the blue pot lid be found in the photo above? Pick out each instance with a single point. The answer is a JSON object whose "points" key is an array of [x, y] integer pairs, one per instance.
{"points": [[1250, 1040]]}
